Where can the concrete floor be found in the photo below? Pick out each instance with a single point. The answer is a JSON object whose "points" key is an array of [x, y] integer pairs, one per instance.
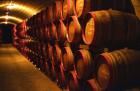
{"points": [[17, 74]]}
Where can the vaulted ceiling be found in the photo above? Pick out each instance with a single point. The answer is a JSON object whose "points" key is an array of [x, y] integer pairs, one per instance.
{"points": [[15, 11]]}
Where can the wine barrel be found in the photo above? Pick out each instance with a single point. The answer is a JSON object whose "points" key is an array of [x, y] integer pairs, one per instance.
{"points": [[44, 52], [39, 18], [73, 84], [133, 27], [49, 13], [68, 8], [57, 54], [52, 70], [41, 33], [50, 51], [62, 81], [35, 21], [57, 9], [91, 85], [103, 27], [43, 17], [30, 21], [36, 32], [46, 68], [119, 27], [21, 30], [53, 32], [84, 65], [62, 31], [82, 7], [39, 52], [47, 33], [31, 33], [44, 58], [118, 69], [68, 59], [97, 29], [74, 30], [23, 42]]}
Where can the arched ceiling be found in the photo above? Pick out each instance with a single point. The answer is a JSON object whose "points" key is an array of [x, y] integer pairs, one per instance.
{"points": [[15, 11]]}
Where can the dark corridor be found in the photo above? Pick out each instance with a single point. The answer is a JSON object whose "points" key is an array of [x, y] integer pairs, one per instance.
{"points": [[6, 33]]}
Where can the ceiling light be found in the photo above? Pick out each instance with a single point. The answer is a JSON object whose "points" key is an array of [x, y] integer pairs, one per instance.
{"points": [[6, 22], [28, 10], [6, 17], [11, 6], [17, 19]]}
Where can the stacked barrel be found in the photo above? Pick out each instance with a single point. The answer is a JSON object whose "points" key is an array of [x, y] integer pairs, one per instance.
{"points": [[19, 35], [85, 45]]}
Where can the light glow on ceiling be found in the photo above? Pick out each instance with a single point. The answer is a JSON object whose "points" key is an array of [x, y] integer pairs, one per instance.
{"points": [[15, 6], [6, 22], [11, 6], [11, 18], [6, 17]]}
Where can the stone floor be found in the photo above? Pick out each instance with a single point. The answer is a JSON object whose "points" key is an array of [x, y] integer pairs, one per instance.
{"points": [[17, 74]]}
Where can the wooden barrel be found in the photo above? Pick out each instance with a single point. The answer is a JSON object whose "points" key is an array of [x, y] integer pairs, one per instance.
{"points": [[73, 81], [29, 32], [44, 51], [23, 42], [57, 54], [39, 18], [82, 7], [62, 81], [43, 17], [57, 9], [103, 27], [46, 32], [41, 31], [68, 59], [84, 63], [21, 30], [52, 70], [33, 32], [91, 85], [53, 32], [74, 30], [119, 27], [118, 69], [35, 21], [68, 8], [62, 31], [50, 51], [36, 32], [133, 27], [97, 28], [49, 13], [46, 68], [30, 21]]}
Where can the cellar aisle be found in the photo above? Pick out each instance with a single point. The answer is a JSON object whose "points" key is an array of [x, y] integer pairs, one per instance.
{"points": [[17, 74]]}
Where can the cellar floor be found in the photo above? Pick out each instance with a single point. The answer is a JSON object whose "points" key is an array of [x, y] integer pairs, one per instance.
{"points": [[17, 74]]}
